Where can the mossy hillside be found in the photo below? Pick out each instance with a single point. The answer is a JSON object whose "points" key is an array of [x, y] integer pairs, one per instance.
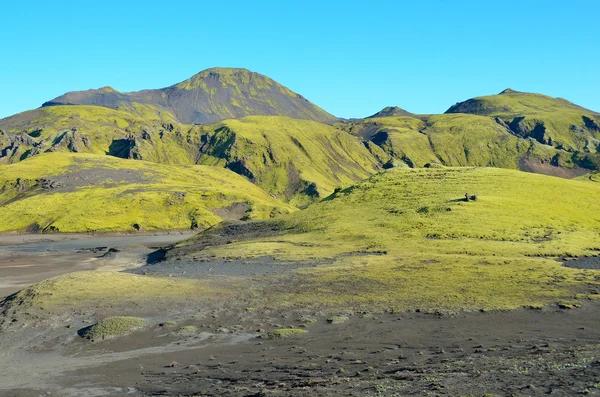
{"points": [[454, 140], [554, 121], [295, 160], [103, 193], [142, 133], [390, 243], [210, 96], [113, 327], [406, 239], [286, 333], [115, 292]]}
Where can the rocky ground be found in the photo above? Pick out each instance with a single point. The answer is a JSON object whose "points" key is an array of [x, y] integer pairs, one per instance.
{"points": [[227, 349], [518, 353], [27, 259]]}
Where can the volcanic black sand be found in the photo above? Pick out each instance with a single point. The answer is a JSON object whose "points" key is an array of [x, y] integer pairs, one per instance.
{"points": [[519, 353], [524, 352], [27, 259]]}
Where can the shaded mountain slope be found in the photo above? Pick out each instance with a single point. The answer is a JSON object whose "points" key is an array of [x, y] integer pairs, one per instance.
{"points": [[69, 192], [209, 96], [462, 140], [552, 121], [141, 133], [295, 160], [407, 239]]}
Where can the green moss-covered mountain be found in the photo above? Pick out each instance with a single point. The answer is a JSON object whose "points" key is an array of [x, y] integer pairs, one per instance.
{"points": [[209, 96], [287, 149], [552, 121], [390, 111], [407, 239], [297, 161], [460, 140], [530, 132], [69, 192]]}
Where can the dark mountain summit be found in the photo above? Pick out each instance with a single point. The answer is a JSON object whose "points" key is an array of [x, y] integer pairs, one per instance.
{"points": [[390, 111], [209, 96]]}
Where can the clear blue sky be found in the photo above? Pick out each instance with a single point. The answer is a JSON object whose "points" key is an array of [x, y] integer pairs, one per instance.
{"points": [[348, 57]]}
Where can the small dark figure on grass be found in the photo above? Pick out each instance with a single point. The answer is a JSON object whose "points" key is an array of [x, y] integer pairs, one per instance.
{"points": [[470, 198]]}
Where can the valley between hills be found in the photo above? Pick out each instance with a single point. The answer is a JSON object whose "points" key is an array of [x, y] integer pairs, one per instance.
{"points": [[225, 236]]}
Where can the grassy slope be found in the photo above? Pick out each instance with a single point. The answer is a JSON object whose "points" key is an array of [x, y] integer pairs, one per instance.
{"points": [[452, 140], [402, 239], [289, 158], [210, 96], [106, 130], [562, 120], [285, 156], [104, 193], [249, 94], [387, 243]]}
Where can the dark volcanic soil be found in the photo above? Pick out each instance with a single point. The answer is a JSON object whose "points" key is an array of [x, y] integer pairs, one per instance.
{"points": [[518, 353], [27, 259]]}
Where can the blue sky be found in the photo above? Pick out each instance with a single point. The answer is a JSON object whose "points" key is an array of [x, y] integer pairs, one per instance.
{"points": [[351, 58]]}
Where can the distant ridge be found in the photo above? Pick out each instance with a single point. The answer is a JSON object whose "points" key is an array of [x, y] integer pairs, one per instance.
{"points": [[550, 121], [210, 96], [390, 111]]}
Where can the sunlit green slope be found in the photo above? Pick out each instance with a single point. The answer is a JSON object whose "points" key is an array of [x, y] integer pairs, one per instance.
{"points": [[553, 121], [83, 193], [296, 160], [461, 140], [406, 238]]}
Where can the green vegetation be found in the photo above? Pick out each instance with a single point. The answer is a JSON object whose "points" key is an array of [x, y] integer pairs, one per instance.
{"points": [[112, 327], [296, 160], [406, 239], [552, 121], [81, 193], [457, 140], [187, 330], [209, 96], [285, 333], [337, 319], [110, 289]]}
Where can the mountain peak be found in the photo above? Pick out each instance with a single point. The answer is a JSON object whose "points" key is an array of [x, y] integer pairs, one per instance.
{"points": [[390, 111], [509, 91], [227, 76], [209, 96]]}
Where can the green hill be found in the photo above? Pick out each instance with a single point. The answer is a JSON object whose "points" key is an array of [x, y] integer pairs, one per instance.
{"points": [[142, 133], [552, 121], [65, 192], [390, 111], [296, 160], [406, 239], [209, 96], [460, 140]]}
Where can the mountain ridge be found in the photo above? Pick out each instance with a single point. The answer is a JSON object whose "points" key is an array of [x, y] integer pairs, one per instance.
{"points": [[209, 96]]}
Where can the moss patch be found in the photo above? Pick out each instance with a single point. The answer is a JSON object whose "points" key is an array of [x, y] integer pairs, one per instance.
{"points": [[113, 327], [285, 333]]}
